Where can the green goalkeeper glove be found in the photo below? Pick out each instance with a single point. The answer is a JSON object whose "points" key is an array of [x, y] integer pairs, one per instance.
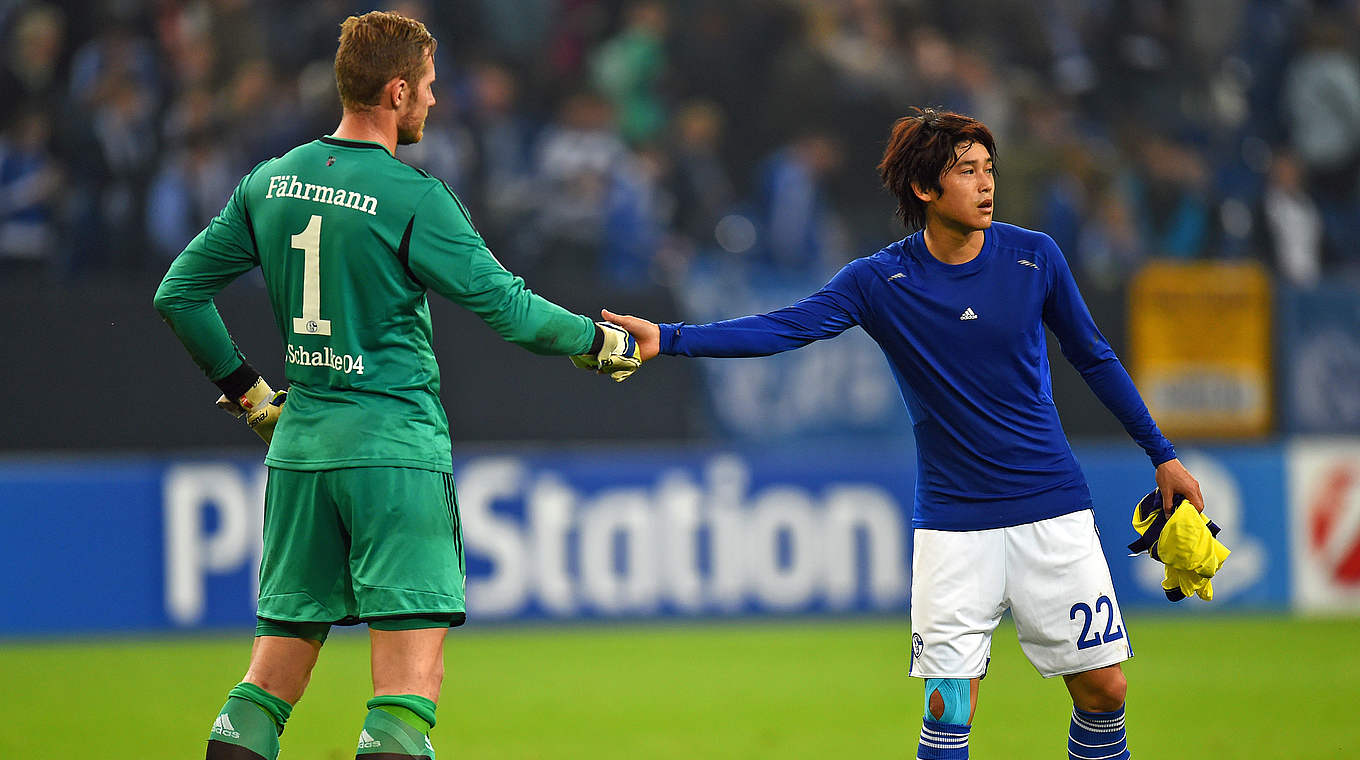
{"points": [[618, 356], [260, 405]]}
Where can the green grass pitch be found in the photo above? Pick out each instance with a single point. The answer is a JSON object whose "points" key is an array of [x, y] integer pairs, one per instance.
{"points": [[1200, 687]]}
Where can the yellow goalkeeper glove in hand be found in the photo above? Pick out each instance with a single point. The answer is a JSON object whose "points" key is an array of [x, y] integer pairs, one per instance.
{"points": [[1185, 543], [260, 405], [618, 356]]}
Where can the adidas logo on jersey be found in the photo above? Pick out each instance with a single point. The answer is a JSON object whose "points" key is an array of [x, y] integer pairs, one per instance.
{"points": [[968, 313], [366, 740], [223, 727], [1027, 263], [899, 274]]}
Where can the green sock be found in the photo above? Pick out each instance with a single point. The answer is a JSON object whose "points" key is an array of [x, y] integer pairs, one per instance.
{"points": [[252, 719], [277, 708], [407, 717], [397, 726]]}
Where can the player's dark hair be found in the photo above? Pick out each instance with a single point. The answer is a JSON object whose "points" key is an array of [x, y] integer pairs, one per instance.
{"points": [[376, 48], [921, 149]]}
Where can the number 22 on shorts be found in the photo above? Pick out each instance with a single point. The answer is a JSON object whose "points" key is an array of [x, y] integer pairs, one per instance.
{"points": [[1090, 637]]}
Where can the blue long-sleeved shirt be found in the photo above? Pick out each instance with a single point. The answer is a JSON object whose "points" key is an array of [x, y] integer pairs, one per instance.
{"points": [[966, 344]]}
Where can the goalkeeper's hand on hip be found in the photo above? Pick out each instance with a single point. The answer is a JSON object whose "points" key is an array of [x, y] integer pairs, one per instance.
{"points": [[260, 406], [618, 355]]}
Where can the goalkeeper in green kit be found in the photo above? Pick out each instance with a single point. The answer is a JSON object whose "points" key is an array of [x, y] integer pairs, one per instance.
{"points": [[361, 520]]}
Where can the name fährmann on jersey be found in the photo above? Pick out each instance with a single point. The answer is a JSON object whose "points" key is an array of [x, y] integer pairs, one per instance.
{"points": [[288, 186]]}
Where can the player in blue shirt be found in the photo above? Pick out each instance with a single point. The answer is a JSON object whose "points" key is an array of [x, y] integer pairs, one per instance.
{"points": [[1002, 516]]}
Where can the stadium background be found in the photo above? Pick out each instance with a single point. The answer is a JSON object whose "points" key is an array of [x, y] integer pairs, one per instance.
{"points": [[710, 560]]}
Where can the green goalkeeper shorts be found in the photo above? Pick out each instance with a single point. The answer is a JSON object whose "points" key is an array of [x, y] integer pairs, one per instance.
{"points": [[348, 545]]}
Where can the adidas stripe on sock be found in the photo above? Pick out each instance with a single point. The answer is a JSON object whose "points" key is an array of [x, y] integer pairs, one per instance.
{"points": [[243, 731], [388, 737], [942, 741], [223, 726], [1097, 736]]}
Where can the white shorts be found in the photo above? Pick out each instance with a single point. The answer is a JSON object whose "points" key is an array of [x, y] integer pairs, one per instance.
{"points": [[1050, 574]]}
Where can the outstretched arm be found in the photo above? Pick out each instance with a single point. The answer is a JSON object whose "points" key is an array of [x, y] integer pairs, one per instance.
{"points": [[824, 314], [447, 254]]}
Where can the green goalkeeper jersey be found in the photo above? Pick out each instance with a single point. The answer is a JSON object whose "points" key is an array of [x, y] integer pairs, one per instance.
{"points": [[349, 239]]}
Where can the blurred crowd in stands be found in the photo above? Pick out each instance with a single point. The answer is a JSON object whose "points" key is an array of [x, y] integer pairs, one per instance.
{"points": [[633, 139]]}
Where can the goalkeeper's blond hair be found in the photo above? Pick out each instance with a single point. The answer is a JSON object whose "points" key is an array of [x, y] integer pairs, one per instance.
{"points": [[376, 48]]}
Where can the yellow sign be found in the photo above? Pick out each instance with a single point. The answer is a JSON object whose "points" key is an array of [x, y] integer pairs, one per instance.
{"points": [[1200, 347]]}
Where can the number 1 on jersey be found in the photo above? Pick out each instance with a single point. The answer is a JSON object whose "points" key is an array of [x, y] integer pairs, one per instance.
{"points": [[309, 242]]}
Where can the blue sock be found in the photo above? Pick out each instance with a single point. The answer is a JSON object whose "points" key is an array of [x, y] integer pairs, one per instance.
{"points": [[1097, 736], [942, 741]]}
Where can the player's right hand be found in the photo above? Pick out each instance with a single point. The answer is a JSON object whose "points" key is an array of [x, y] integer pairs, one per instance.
{"points": [[260, 405], [618, 357], [647, 334]]}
